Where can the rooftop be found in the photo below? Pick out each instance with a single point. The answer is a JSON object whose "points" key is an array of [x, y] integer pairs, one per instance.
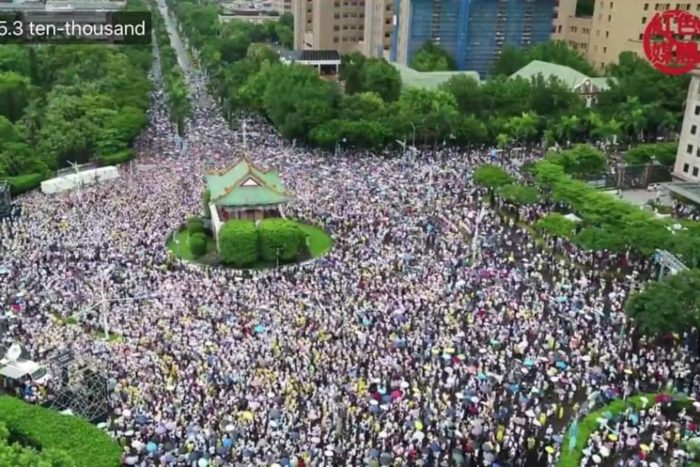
{"points": [[569, 76], [246, 184], [687, 190], [429, 79]]}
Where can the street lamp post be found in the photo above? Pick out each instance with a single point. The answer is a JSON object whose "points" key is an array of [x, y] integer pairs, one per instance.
{"points": [[414, 134]]}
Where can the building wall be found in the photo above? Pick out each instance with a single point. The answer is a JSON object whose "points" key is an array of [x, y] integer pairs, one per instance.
{"points": [[282, 6], [473, 31], [688, 157], [564, 10], [344, 25]]}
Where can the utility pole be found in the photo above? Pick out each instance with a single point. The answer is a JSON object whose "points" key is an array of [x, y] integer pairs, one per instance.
{"points": [[476, 250], [245, 139]]}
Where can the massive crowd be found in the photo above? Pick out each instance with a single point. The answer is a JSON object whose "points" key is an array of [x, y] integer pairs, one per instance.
{"points": [[405, 345]]}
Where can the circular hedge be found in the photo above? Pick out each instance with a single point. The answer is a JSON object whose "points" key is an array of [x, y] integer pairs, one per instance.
{"points": [[198, 244]]}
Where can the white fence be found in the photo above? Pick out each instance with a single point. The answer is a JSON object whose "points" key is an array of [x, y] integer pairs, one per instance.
{"points": [[75, 180]]}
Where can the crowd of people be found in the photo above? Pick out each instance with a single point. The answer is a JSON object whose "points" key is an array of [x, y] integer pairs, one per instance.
{"points": [[410, 343]]}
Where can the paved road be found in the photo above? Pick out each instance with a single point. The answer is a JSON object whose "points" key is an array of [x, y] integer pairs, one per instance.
{"points": [[183, 58]]}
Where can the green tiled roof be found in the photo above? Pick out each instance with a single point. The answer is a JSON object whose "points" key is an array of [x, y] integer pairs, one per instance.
{"points": [[567, 75], [429, 79], [245, 184]]}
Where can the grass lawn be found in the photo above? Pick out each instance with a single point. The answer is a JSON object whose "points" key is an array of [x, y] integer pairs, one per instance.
{"points": [[179, 244], [319, 241]]}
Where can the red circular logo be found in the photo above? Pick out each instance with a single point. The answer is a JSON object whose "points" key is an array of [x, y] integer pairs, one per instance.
{"points": [[665, 43]]}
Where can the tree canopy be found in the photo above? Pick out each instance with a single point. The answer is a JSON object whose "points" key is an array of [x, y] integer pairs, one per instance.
{"points": [[514, 58], [672, 305], [432, 57]]}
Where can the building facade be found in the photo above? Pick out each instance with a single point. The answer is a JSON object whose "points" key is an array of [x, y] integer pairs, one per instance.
{"points": [[687, 164], [344, 25], [473, 31], [616, 26]]}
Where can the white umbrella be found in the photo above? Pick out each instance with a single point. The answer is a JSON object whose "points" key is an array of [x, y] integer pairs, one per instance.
{"points": [[203, 462], [605, 452], [229, 428], [418, 436], [597, 459]]}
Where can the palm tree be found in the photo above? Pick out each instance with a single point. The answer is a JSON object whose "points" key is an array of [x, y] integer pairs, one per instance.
{"points": [[634, 118], [566, 128]]}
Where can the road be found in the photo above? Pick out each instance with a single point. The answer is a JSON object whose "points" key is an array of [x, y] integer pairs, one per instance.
{"points": [[183, 58]]}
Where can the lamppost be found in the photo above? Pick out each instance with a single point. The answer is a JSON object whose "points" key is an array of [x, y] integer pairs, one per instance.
{"points": [[414, 134]]}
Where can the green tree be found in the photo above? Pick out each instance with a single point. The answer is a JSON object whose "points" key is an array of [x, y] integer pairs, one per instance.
{"points": [[14, 95], [520, 195], [380, 77], [198, 244], [559, 52], [432, 57], [491, 176], [352, 72], [669, 306], [580, 161], [557, 225]]}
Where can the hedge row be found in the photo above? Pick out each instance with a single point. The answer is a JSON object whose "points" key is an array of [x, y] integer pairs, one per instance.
{"points": [[83, 442], [117, 158], [572, 457], [241, 243], [23, 183]]}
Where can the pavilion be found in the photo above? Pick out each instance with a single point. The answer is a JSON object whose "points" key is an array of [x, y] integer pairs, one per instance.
{"points": [[245, 191]]}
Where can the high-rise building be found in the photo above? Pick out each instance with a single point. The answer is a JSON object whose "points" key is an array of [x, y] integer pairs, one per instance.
{"points": [[616, 26], [687, 164], [473, 31], [346, 26]]}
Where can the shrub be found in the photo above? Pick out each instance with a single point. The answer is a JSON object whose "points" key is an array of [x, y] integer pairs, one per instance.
{"points": [[491, 176], [280, 235], [23, 183], [198, 244], [206, 199], [195, 225], [48, 429], [238, 242], [116, 158], [556, 224], [519, 194]]}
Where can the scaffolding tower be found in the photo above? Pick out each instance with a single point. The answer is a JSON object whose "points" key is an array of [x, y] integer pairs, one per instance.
{"points": [[668, 263], [82, 385]]}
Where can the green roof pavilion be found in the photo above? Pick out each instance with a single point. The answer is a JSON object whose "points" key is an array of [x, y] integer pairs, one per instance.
{"points": [[245, 191]]}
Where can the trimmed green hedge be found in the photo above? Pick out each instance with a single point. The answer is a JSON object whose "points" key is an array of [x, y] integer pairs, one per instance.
{"points": [[198, 244], [195, 225], [238, 242], [280, 235], [572, 457], [23, 183], [116, 158], [83, 442]]}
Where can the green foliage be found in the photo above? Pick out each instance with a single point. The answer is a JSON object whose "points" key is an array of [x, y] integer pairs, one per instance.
{"points": [[80, 441], [672, 305], [432, 57], [280, 236], [198, 244], [580, 161], [238, 243], [206, 199], [557, 225], [520, 195], [589, 424], [664, 153], [491, 176], [513, 58], [23, 183], [195, 225], [117, 158], [18, 455]]}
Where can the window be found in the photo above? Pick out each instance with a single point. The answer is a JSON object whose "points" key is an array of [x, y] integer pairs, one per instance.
{"points": [[611, 5], [697, 110], [609, 17], [689, 149], [644, 19], [697, 152], [685, 168], [646, 6], [693, 130], [559, 28], [641, 36], [605, 50], [607, 34], [695, 171]]}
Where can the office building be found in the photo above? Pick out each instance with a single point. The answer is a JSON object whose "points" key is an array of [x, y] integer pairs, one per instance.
{"points": [[346, 26], [281, 6], [473, 31], [687, 164], [615, 27], [252, 12]]}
